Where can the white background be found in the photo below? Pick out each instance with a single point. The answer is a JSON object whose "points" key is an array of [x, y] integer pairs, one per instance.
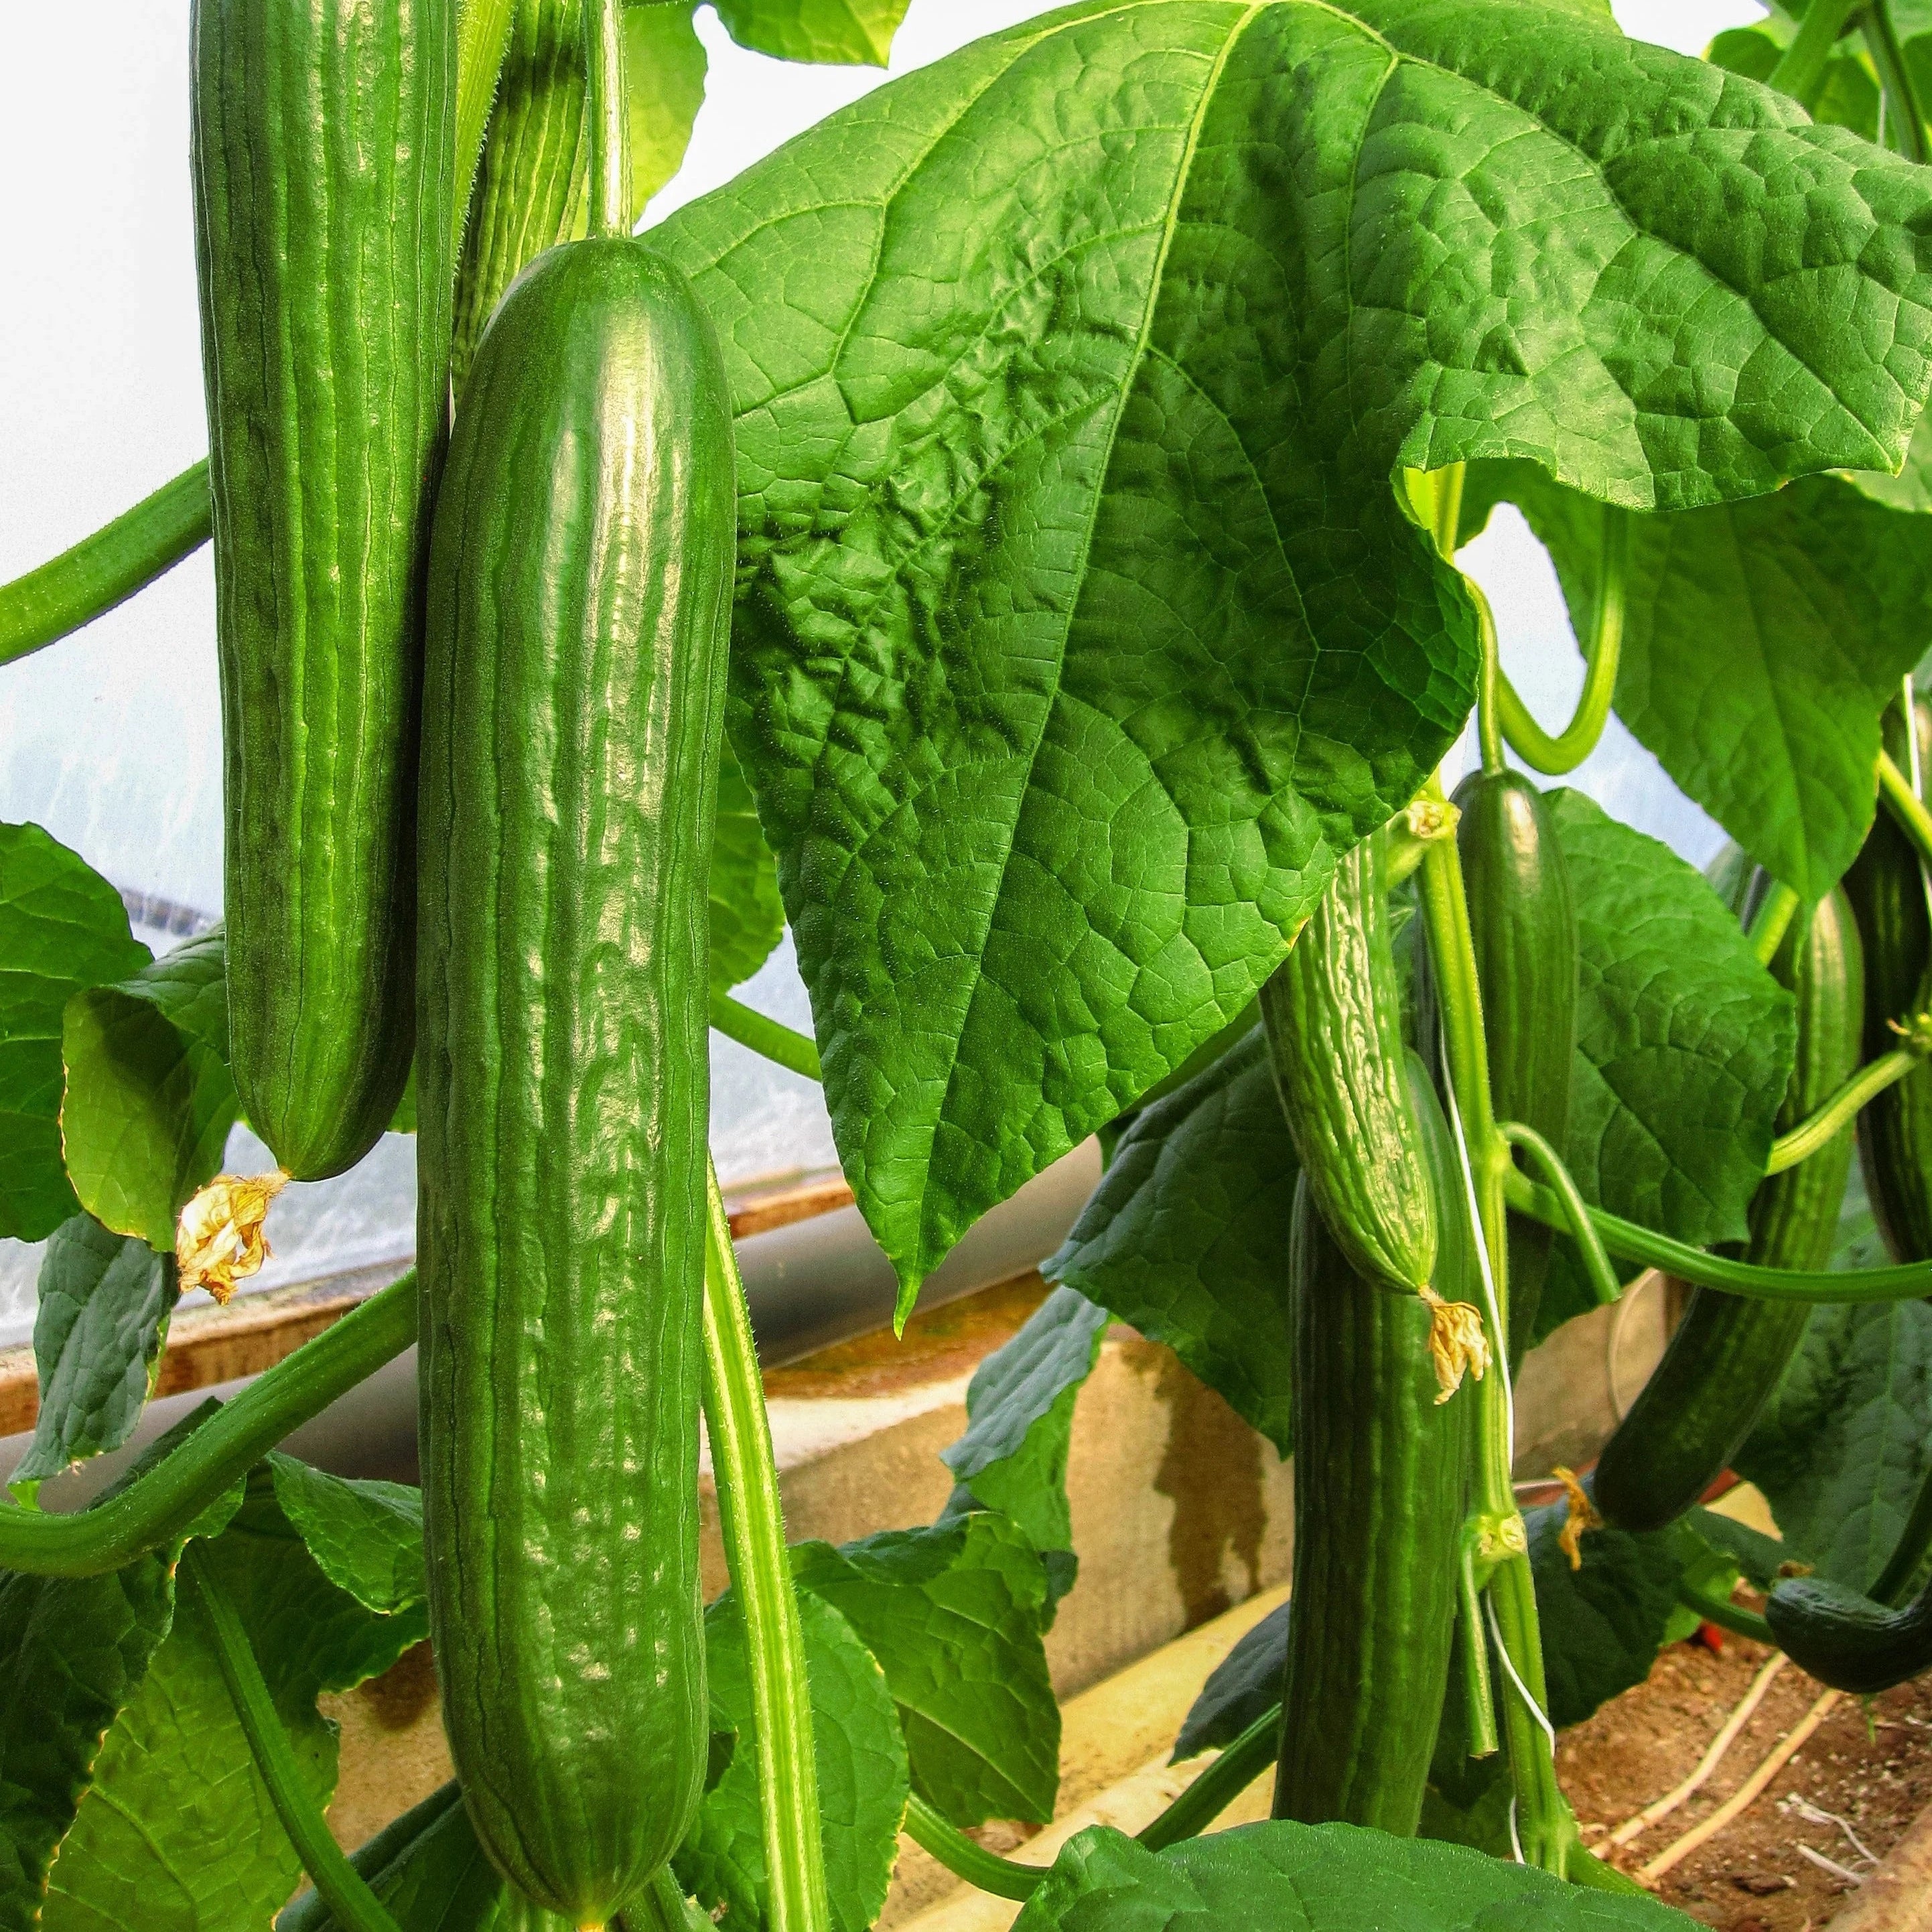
{"points": [[111, 740]]}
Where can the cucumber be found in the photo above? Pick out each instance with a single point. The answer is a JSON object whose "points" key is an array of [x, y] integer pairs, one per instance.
{"points": [[1380, 1475], [1728, 1352], [1888, 893], [323, 138], [578, 624], [1333, 1011], [531, 182], [1522, 918], [1847, 1640]]}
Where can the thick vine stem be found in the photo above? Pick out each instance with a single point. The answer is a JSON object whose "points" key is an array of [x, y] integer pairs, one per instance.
{"points": [[1479, 1697], [753, 1523], [1568, 748], [1545, 1827], [772, 1038], [1909, 1281], [1802, 66], [1771, 922], [1845, 1105], [1725, 1614], [159, 1505], [610, 118], [1895, 74], [1909, 812], [1603, 1282], [107, 568], [337, 1883], [1004, 1878]]}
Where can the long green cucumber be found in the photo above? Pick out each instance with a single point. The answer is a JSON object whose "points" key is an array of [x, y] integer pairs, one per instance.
{"points": [[323, 138], [1380, 1468], [1728, 1353], [531, 190], [1888, 893], [573, 704], [1333, 1010], [1523, 918], [1847, 1640]]}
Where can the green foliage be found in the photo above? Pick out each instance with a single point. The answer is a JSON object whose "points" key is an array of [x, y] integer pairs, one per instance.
{"points": [[747, 917], [191, 1843], [1030, 871], [62, 927], [1314, 1878], [1246, 1682], [1843, 1447], [665, 67], [150, 1100], [1684, 1046], [954, 1614], [861, 1759], [105, 1300], [1186, 1236], [1762, 641], [1019, 1423], [426, 1868], [366, 1537], [845, 31]]}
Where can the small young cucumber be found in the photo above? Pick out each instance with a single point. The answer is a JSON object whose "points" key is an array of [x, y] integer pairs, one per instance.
{"points": [[1847, 1640], [1728, 1351], [1381, 1472], [1333, 1011], [323, 140], [580, 583], [1523, 918], [1888, 893]]}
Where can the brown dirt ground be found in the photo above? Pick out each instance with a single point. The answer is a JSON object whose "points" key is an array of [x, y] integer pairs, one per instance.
{"points": [[1872, 1769]]}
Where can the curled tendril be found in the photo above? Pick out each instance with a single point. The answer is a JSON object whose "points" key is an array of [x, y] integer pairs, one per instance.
{"points": [[1456, 1342], [219, 1239], [1579, 1515]]}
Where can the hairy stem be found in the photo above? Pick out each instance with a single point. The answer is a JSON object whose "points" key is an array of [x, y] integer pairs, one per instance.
{"points": [[337, 1883], [609, 117], [753, 1523], [1802, 66], [1603, 1282], [1578, 739], [772, 1038], [482, 39], [159, 1505], [1907, 1282]]}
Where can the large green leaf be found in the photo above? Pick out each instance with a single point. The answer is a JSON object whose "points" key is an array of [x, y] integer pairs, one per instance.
{"points": [[149, 1099], [1762, 642], [181, 1836], [366, 1537], [862, 1776], [665, 67], [1845, 1444], [1079, 626], [62, 927], [1684, 1045], [847, 32], [1187, 1235], [747, 915], [105, 1300], [1019, 1425], [1284, 1877], [954, 1614], [426, 1867]]}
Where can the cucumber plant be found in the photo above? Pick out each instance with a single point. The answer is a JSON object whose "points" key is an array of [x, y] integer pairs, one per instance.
{"points": [[1009, 536]]}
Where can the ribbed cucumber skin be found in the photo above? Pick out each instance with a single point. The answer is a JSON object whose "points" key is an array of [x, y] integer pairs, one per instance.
{"points": [[1522, 918], [1380, 1474], [1847, 1640], [1725, 1358], [531, 188], [1888, 893], [1333, 1011], [573, 702], [323, 139]]}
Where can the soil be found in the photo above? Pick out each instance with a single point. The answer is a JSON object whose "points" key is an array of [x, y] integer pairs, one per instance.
{"points": [[1872, 1769]]}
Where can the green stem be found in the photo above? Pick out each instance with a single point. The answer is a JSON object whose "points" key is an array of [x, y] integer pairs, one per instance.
{"points": [[159, 1505], [1895, 75], [1908, 1282], [1802, 66], [1770, 922], [1004, 1878], [1908, 1556], [482, 39], [1492, 685], [1725, 1614], [1219, 1785], [1603, 1282], [1447, 487], [772, 1038], [1407, 836], [1479, 1695], [753, 1522], [1545, 1824], [609, 116], [1578, 739], [337, 1883], [106, 568], [1841, 1109], [1894, 790]]}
